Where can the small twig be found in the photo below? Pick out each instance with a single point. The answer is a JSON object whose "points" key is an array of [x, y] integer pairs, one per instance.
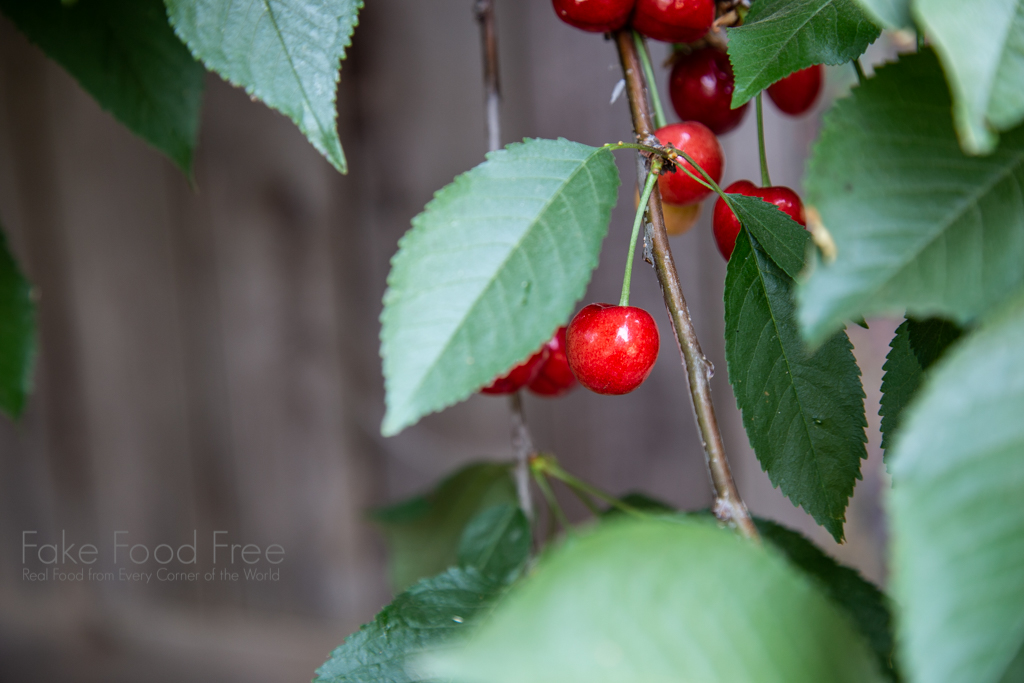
{"points": [[484, 10], [523, 446], [728, 507], [766, 180]]}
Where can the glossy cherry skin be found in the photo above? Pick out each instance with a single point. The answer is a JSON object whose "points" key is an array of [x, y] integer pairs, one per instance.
{"points": [[599, 16], [797, 92], [727, 226], [701, 89], [518, 377], [612, 349], [555, 377], [674, 21], [699, 142]]}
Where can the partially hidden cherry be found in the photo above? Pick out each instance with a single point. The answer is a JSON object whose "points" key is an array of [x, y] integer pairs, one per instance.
{"points": [[674, 21], [701, 87], [699, 142], [727, 226], [611, 348], [679, 218], [555, 377], [796, 93], [519, 376], [599, 16]]}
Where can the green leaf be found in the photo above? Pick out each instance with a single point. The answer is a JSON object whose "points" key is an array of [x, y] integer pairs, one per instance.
{"points": [[803, 412], [955, 506], [497, 542], [658, 601], [423, 532], [866, 606], [782, 238], [287, 53], [490, 269], [981, 45], [17, 333], [930, 339], [124, 54], [888, 13], [918, 225], [779, 37], [435, 610]]}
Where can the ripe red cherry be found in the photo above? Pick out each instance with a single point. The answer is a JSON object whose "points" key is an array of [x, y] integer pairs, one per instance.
{"points": [[674, 21], [518, 377], [701, 88], [700, 143], [727, 226], [612, 349], [599, 16], [555, 377], [796, 93]]}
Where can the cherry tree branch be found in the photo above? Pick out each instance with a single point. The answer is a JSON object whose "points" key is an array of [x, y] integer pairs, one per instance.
{"points": [[728, 507]]}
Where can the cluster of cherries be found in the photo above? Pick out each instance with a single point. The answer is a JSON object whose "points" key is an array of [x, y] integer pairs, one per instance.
{"points": [[611, 349]]}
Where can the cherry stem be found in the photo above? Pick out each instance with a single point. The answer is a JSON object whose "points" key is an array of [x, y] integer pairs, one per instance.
{"points": [[766, 181], [652, 85], [860, 71], [728, 506], [652, 180], [554, 470], [549, 496]]}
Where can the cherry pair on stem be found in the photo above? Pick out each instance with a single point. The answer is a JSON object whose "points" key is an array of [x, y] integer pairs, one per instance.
{"points": [[545, 373], [673, 21]]}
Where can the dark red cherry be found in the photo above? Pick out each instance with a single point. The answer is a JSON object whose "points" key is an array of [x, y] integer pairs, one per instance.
{"points": [[727, 226], [700, 143], [674, 21], [555, 377], [796, 93], [612, 349], [518, 377], [701, 88], [599, 16]]}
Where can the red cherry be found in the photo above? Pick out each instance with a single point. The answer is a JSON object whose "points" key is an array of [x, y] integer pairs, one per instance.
{"points": [[796, 93], [701, 88], [555, 377], [612, 349], [700, 143], [599, 16], [674, 21], [519, 376], [727, 226]]}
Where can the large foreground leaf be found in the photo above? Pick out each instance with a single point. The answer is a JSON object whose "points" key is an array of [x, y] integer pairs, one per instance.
{"points": [[17, 333], [917, 224], [125, 55], [888, 13], [803, 412], [662, 601], [423, 532], [285, 52], [958, 522], [783, 36], [431, 613], [489, 270], [981, 45]]}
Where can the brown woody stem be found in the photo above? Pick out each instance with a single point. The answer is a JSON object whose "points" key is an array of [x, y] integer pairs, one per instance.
{"points": [[728, 506]]}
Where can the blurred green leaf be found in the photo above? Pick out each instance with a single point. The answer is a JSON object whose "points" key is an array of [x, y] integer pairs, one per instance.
{"points": [[431, 613], [803, 411], [124, 54], [493, 265], [660, 600], [779, 37], [17, 333], [981, 46], [287, 53], [955, 506], [918, 225], [423, 532], [888, 13]]}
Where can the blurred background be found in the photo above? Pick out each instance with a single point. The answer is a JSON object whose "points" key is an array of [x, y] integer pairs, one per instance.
{"points": [[208, 350]]}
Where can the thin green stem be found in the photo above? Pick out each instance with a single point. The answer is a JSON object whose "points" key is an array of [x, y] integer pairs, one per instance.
{"points": [[652, 179], [766, 181], [652, 87], [572, 482], [860, 71], [587, 501], [549, 496]]}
